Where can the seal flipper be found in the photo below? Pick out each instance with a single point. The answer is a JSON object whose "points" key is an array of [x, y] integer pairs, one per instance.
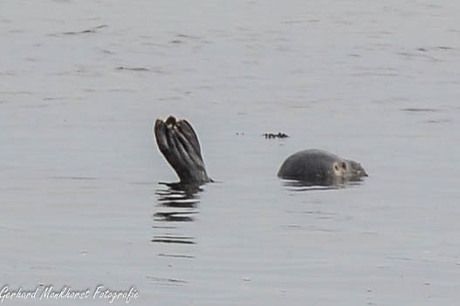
{"points": [[179, 144], [168, 147], [160, 135], [186, 162], [186, 128]]}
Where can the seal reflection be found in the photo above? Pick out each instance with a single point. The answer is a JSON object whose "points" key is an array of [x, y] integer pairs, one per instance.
{"points": [[296, 185], [177, 203]]}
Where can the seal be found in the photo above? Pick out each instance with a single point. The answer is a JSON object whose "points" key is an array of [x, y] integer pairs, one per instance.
{"points": [[179, 144], [317, 167]]}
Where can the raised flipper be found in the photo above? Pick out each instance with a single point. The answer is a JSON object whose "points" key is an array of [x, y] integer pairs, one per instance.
{"points": [[179, 144]]}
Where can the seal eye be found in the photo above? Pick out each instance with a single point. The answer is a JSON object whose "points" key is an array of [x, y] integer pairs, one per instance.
{"points": [[336, 168], [344, 165]]}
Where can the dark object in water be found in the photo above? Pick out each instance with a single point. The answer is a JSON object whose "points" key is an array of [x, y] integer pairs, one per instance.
{"points": [[273, 136], [179, 144], [317, 167]]}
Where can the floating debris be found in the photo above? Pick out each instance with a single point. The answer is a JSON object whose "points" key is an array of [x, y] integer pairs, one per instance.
{"points": [[273, 136]]}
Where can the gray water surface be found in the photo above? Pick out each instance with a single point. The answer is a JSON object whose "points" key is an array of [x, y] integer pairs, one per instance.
{"points": [[81, 204]]}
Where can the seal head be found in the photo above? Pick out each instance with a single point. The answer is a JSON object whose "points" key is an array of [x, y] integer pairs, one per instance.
{"points": [[355, 172], [320, 168]]}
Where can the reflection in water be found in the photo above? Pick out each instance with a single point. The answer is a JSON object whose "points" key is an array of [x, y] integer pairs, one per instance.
{"points": [[173, 228], [173, 239], [167, 281], [176, 204], [179, 201], [294, 185]]}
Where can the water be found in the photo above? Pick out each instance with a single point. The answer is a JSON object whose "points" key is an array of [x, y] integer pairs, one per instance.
{"points": [[82, 82]]}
